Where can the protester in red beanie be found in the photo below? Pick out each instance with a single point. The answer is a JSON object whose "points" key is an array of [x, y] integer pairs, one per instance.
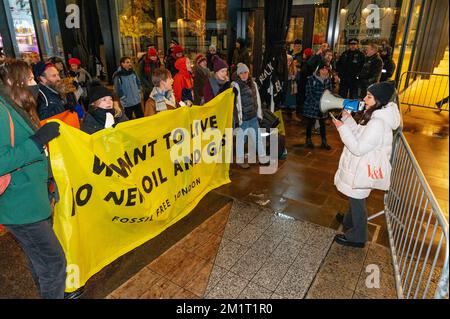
{"points": [[147, 65], [177, 53], [82, 80], [183, 83]]}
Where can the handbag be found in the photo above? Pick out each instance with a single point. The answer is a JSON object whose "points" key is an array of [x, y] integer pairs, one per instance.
{"points": [[269, 120], [5, 180], [373, 171]]}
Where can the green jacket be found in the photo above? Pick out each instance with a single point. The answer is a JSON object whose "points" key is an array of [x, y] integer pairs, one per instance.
{"points": [[26, 200]]}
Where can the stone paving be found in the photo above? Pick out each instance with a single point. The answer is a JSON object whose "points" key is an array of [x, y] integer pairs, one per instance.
{"points": [[261, 255]]}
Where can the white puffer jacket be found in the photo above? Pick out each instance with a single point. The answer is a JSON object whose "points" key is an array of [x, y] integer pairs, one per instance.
{"points": [[360, 140]]}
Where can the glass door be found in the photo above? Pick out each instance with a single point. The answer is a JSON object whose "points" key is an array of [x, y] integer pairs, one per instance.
{"points": [[301, 26]]}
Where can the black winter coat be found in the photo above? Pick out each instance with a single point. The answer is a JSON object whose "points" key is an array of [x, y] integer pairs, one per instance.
{"points": [[388, 69], [49, 103], [371, 71], [92, 125], [350, 64]]}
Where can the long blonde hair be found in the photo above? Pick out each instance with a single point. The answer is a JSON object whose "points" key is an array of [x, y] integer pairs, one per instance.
{"points": [[116, 106]]}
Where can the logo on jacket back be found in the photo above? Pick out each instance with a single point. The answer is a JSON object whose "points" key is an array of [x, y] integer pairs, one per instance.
{"points": [[374, 173]]}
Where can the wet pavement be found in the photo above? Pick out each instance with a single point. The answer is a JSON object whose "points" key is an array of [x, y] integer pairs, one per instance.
{"points": [[302, 190]]}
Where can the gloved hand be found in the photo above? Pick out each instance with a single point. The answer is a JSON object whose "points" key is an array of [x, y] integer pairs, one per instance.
{"points": [[45, 134]]}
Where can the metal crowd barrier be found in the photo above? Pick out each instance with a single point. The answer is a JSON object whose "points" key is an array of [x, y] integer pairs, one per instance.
{"points": [[417, 228], [426, 90]]}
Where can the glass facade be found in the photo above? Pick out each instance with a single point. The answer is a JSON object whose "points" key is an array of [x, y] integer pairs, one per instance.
{"points": [[196, 24], [368, 21], [411, 38], [140, 25], [25, 33], [320, 26], [51, 35], [35, 28]]}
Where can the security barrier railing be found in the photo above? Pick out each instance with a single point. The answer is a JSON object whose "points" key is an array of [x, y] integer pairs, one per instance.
{"points": [[417, 228], [426, 90]]}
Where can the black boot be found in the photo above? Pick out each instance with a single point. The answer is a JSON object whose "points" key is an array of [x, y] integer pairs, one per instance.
{"points": [[309, 143], [325, 145]]}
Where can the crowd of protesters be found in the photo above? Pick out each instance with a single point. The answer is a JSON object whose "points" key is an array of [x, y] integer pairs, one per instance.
{"points": [[348, 75], [33, 91]]}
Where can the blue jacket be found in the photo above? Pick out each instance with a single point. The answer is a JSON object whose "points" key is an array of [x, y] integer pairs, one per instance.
{"points": [[314, 92], [127, 87], [49, 102]]}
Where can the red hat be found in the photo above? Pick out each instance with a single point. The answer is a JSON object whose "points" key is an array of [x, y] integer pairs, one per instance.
{"points": [[200, 58], [74, 61], [177, 49], [308, 52], [152, 52]]}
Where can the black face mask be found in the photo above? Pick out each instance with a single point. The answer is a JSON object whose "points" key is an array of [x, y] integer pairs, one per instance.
{"points": [[34, 90]]}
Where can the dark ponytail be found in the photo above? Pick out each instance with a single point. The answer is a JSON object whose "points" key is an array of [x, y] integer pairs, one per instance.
{"points": [[367, 115]]}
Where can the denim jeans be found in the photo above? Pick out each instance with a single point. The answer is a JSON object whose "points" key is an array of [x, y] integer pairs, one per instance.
{"points": [[45, 256], [250, 129]]}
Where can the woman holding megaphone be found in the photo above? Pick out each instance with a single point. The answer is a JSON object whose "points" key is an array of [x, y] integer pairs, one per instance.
{"points": [[372, 135]]}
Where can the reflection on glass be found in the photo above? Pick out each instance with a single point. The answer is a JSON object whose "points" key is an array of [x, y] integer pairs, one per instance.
{"points": [[411, 35], [23, 26], [368, 21], [140, 25], [296, 26], [196, 24], [51, 35], [320, 27]]}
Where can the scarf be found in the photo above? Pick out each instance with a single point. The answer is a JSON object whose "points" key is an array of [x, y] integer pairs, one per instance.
{"points": [[149, 65], [99, 115], [162, 99], [123, 72]]}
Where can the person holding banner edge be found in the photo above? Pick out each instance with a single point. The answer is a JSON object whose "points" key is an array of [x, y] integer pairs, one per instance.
{"points": [[374, 132], [24, 205]]}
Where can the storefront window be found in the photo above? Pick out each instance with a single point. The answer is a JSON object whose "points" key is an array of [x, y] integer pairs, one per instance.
{"points": [[140, 25], [411, 35], [51, 35], [23, 26], [296, 27], [320, 27], [196, 24], [368, 21]]}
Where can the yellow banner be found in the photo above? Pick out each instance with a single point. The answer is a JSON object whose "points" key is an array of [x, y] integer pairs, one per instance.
{"points": [[123, 186]]}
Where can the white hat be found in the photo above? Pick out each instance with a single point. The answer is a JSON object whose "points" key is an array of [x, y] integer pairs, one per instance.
{"points": [[241, 68]]}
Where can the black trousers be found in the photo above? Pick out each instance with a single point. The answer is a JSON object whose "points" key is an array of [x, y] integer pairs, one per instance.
{"points": [[45, 257], [136, 110], [356, 221], [349, 89], [310, 126]]}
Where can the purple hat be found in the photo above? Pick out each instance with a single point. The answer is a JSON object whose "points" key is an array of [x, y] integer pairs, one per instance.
{"points": [[219, 64]]}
